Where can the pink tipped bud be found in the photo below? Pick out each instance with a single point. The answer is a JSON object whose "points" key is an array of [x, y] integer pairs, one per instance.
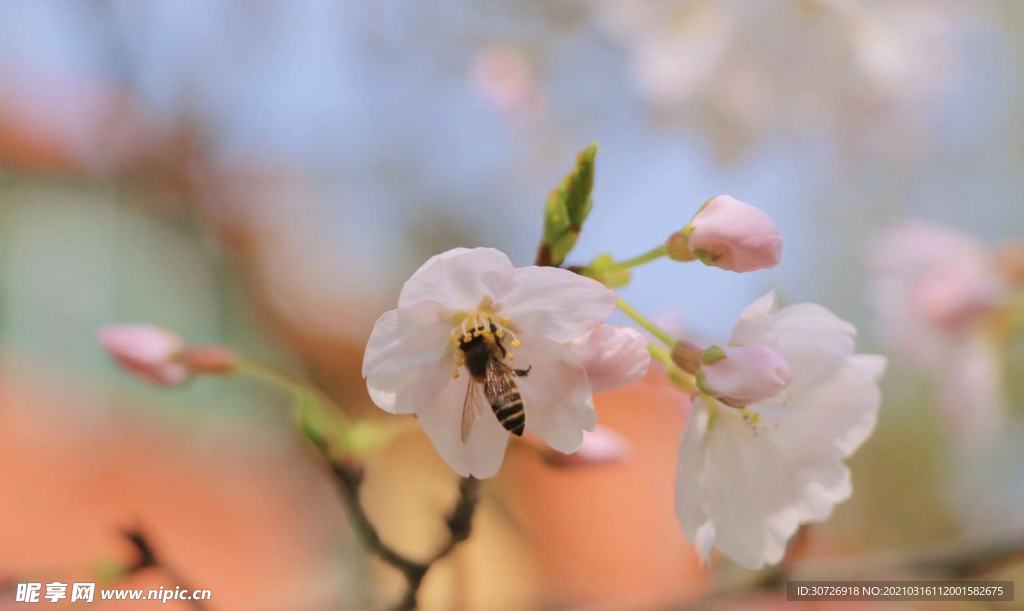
{"points": [[612, 356], [603, 446], [150, 352], [744, 375], [732, 235]]}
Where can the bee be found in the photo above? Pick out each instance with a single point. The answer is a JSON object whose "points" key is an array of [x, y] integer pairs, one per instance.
{"points": [[485, 361]]}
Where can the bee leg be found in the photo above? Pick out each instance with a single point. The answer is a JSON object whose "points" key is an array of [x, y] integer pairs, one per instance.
{"points": [[522, 372]]}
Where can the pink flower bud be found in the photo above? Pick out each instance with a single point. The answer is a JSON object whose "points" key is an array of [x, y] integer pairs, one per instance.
{"points": [[602, 446], [746, 375], [150, 352], [612, 356], [732, 235]]}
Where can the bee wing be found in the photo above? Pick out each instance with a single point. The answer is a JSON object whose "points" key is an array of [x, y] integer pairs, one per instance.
{"points": [[470, 408], [499, 381]]}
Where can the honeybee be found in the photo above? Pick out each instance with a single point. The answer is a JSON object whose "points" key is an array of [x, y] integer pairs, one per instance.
{"points": [[485, 360]]}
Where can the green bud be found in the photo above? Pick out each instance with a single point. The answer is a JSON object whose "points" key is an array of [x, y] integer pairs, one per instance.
{"points": [[567, 208]]}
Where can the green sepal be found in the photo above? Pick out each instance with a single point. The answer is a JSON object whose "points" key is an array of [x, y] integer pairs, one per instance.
{"points": [[712, 355]]}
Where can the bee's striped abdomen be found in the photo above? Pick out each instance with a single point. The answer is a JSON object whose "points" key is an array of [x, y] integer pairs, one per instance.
{"points": [[508, 407]]}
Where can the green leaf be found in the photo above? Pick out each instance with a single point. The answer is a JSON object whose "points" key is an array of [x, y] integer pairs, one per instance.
{"points": [[567, 208]]}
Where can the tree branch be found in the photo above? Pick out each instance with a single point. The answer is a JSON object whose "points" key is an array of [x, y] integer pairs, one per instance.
{"points": [[349, 481], [145, 558]]}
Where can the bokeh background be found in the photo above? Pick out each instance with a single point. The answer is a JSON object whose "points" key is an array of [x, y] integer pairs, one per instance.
{"points": [[266, 174]]}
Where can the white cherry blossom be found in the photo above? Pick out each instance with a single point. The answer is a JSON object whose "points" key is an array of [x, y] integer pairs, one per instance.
{"points": [[415, 363], [748, 478]]}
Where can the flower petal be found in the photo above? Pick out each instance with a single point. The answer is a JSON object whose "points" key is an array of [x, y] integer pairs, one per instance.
{"points": [[689, 504], [842, 408], [814, 341], [612, 356], [556, 394], [406, 359], [758, 488], [481, 455], [756, 325], [459, 278], [556, 303]]}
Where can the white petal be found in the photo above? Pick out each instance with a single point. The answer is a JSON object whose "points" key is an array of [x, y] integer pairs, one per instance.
{"points": [[758, 487], [556, 394], [689, 504], [814, 341], [556, 303], [841, 409], [459, 278], [407, 356], [481, 455], [756, 325], [612, 356]]}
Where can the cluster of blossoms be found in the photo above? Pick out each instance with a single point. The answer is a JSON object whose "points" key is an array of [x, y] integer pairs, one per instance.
{"points": [[482, 351], [947, 305], [776, 410]]}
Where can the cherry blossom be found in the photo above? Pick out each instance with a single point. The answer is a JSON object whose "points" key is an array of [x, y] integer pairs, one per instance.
{"points": [[416, 361], [748, 478]]}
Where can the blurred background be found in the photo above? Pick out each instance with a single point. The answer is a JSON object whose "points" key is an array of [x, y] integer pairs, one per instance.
{"points": [[266, 174]]}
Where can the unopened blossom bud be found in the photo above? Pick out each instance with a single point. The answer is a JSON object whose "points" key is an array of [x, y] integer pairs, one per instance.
{"points": [[612, 356], [602, 446], [743, 375], [687, 355], [150, 352], [732, 235]]}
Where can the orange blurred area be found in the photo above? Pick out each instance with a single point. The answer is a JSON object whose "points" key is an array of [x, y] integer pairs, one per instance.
{"points": [[258, 524], [608, 534]]}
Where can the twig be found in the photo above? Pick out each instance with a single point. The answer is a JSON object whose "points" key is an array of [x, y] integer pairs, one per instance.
{"points": [[349, 481], [147, 558]]}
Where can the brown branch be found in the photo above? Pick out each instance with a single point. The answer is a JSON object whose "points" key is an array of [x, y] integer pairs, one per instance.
{"points": [[349, 480], [147, 558]]}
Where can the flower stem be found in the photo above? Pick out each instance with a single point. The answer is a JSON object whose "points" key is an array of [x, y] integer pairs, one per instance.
{"points": [[652, 254], [299, 389], [675, 375], [645, 322]]}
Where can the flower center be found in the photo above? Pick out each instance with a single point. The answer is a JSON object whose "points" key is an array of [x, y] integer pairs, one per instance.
{"points": [[484, 322]]}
